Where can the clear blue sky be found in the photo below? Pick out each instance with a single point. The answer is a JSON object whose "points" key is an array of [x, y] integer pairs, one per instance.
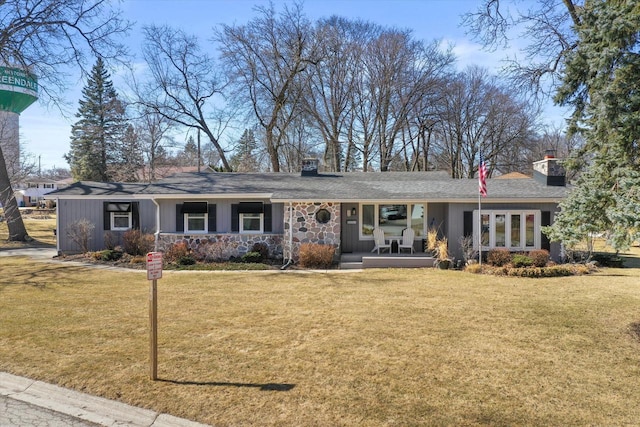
{"points": [[45, 133]]}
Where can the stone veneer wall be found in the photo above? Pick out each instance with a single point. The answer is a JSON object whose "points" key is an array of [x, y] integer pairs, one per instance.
{"points": [[306, 229], [233, 245]]}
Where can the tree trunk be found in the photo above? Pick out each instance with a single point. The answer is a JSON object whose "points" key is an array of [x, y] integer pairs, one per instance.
{"points": [[15, 225]]}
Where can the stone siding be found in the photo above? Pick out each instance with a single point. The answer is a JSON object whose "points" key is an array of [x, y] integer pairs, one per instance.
{"points": [[307, 229], [223, 246]]}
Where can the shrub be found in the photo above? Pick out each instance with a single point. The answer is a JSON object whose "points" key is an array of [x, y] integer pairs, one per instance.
{"points": [[314, 255], [262, 249], [252, 257], [212, 251], [186, 260], [520, 260], [110, 255], [137, 243], [468, 251], [499, 257], [539, 257], [473, 268], [80, 233], [110, 240], [176, 251]]}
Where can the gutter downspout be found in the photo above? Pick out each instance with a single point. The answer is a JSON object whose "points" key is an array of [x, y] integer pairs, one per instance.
{"points": [[157, 233], [290, 260], [58, 226]]}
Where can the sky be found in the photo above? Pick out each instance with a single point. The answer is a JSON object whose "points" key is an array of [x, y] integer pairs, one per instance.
{"points": [[45, 132]]}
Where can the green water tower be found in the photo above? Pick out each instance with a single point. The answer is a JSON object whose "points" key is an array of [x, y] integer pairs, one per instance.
{"points": [[18, 90]]}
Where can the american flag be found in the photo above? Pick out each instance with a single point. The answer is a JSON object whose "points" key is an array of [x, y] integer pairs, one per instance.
{"points": [[482, 177]]}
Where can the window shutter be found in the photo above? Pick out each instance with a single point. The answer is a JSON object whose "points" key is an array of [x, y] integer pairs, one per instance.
{"points": [[135, 215], [235, 219], [467, 229], [106, 216], [179, 218], [267, 226], [545, 220], [211, 208]]}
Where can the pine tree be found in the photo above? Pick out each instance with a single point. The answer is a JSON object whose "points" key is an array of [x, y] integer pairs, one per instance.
{"points": [[601, 84], [129, 160], [97, 135], [244, 157]]}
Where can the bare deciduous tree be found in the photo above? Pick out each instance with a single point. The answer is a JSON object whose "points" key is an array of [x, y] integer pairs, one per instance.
{"points": [[266, 58], [184, 86], [46, 37]]}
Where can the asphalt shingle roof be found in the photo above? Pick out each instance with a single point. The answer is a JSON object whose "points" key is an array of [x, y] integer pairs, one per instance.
{"points": [[347, 186]]}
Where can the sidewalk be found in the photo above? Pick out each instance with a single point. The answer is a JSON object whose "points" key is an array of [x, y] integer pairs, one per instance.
{"points": [[71, 407]]}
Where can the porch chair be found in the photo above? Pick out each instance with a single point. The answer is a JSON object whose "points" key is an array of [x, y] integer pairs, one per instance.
{"points": [[380, 241], [407, 240]]}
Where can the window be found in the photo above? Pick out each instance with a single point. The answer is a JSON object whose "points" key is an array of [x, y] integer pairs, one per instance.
{"points": [[251, 222], [118, 216], [120, 220], [251, 217], [195, 217], [323, 216], [514, 230], [392, 219]]}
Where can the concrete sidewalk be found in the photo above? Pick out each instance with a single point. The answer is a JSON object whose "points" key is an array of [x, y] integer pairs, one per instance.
{"points": [[79, 406]]}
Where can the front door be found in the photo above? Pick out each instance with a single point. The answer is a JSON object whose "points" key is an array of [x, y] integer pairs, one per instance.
{"points": [[349, 227]]}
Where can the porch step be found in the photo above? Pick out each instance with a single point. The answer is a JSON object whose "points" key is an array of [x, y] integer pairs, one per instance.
{"points": [[369, 260], [396, 262]]}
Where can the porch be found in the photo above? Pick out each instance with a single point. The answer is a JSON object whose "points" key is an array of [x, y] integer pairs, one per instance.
{"points": [[359, 260]]}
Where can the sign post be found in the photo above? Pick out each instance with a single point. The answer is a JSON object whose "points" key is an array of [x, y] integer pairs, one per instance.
{"points": [[154, 272]]}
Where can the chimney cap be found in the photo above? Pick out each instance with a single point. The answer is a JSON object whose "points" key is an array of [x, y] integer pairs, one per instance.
{"points": [[549, 153]]}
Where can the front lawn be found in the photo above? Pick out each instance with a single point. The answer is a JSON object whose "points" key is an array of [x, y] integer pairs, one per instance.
{"points": [[40, 226], [378, 347]]}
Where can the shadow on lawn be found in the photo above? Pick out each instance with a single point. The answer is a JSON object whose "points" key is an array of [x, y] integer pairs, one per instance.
{"points": [[262, 387]]}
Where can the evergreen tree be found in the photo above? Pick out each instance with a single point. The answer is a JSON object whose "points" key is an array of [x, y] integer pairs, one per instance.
{"points": [[189, 156], [97, 135], [601, 84], [244, 157], [129, 161]]}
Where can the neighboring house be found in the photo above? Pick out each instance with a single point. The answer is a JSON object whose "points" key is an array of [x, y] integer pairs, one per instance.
{"points": [[285, 210], [30, 193]]}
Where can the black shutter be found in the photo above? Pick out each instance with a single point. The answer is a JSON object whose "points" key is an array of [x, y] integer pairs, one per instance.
{"points": [[267, 226], [235, 219], [106, 216], [212, 217], [467, 228], [135, 215], [179, 218], [545, 220]]}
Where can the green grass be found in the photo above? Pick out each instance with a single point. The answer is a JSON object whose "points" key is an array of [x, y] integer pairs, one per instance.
{"points": [[379, 347]]}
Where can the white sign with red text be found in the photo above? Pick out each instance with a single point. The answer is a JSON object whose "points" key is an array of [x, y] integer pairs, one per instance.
{"points": [[154, 265]]}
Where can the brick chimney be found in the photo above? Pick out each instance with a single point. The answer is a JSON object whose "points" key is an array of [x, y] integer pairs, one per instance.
{"points": [[549, 171]]}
